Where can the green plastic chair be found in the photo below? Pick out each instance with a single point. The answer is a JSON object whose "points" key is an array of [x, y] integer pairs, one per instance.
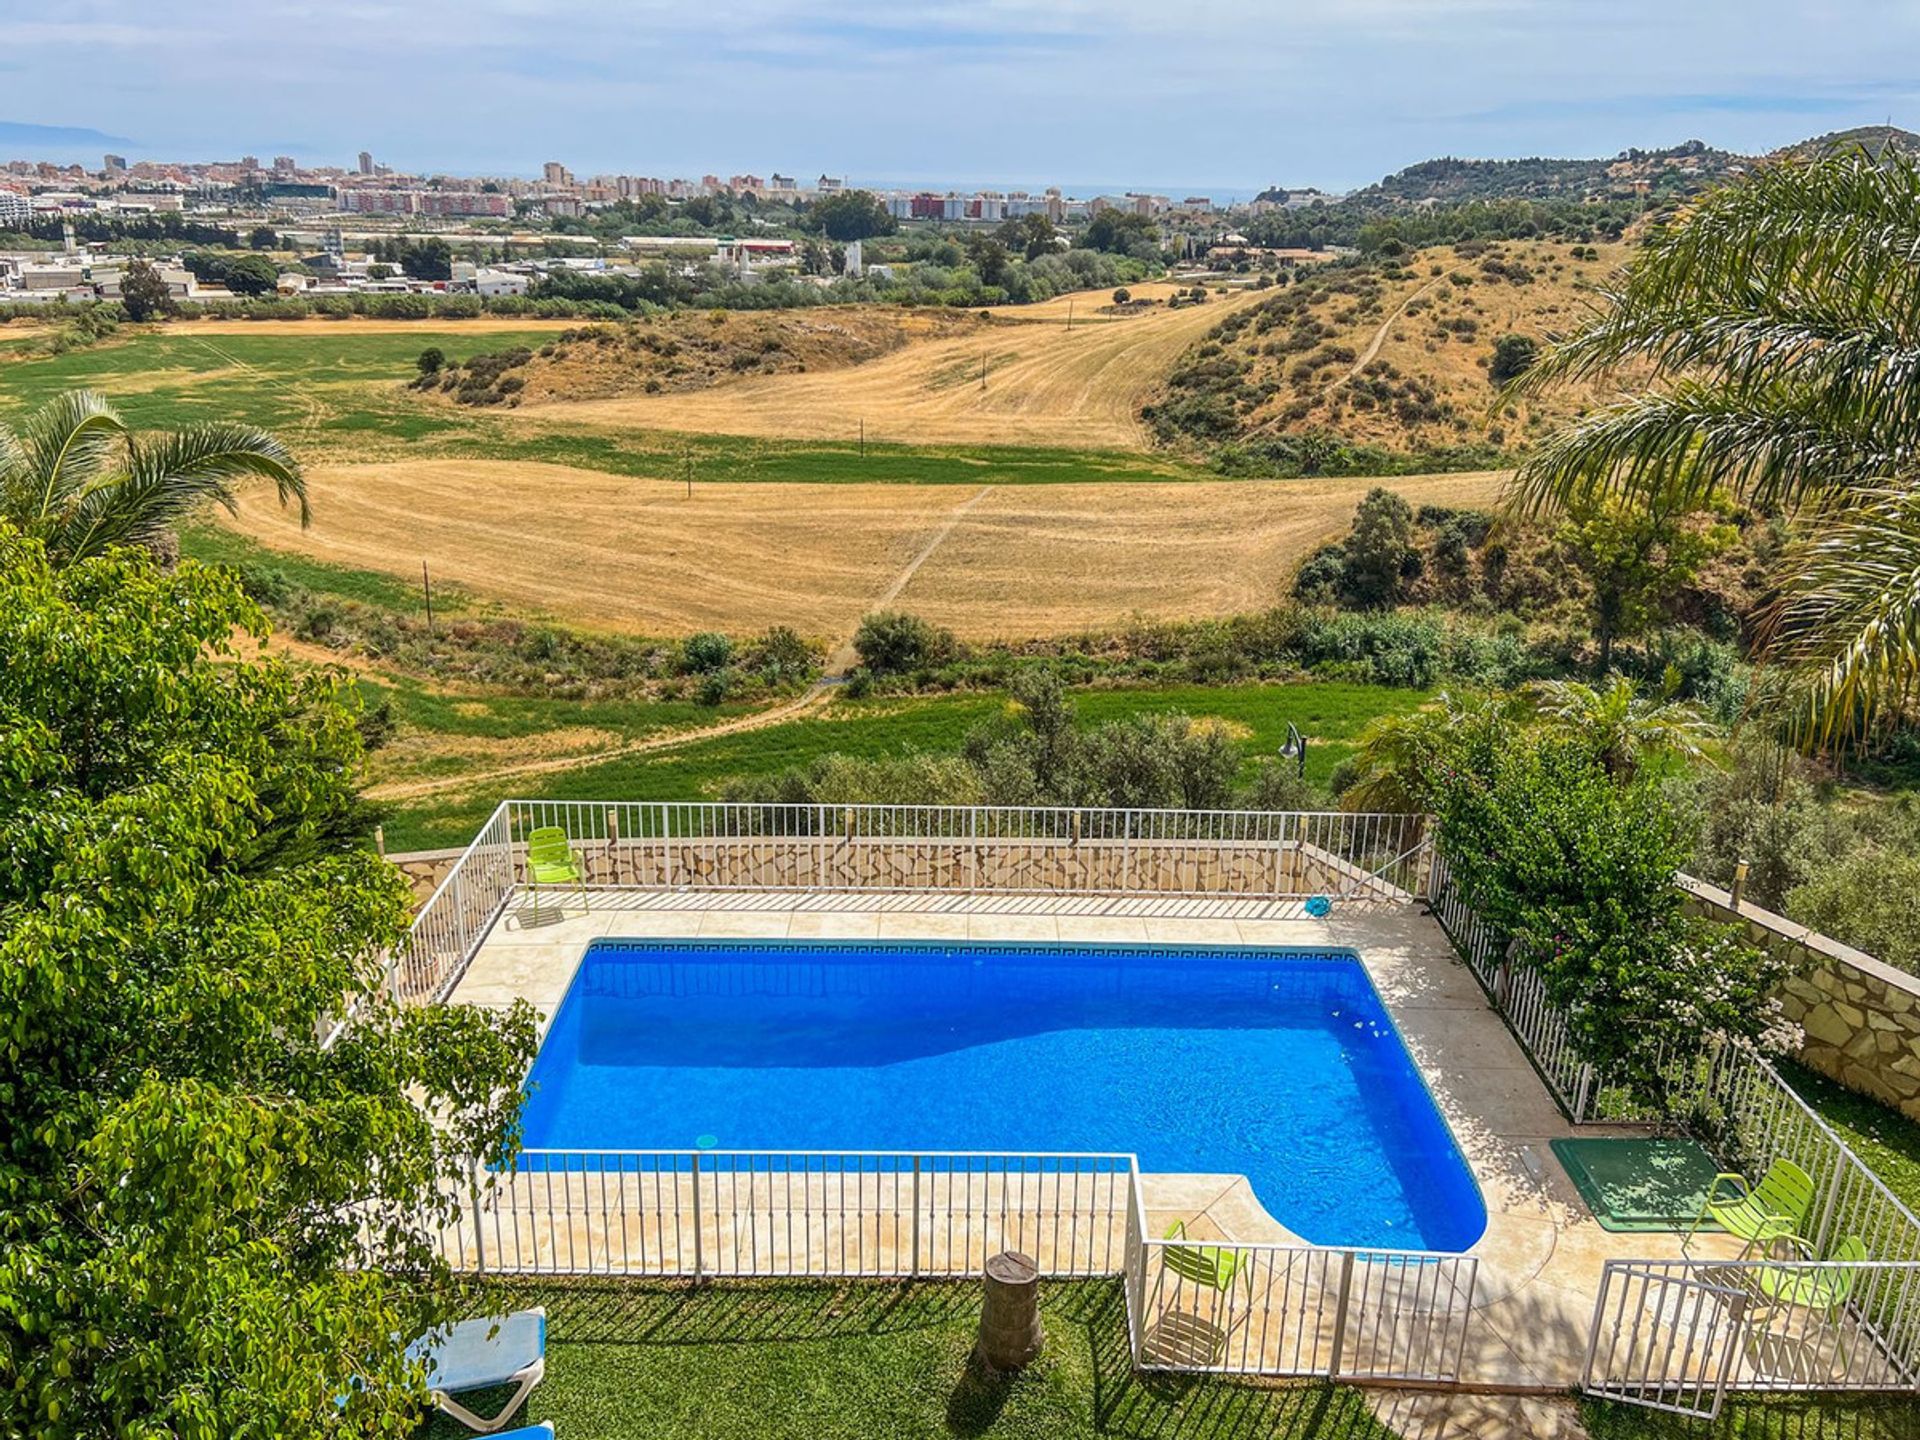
{"points": [[1820, 1287], [1206, 1265], [1775, 1209], [551, 861]]}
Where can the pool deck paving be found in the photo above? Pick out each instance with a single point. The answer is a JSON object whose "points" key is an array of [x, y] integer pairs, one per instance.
{"points": [[1540, 1260]]}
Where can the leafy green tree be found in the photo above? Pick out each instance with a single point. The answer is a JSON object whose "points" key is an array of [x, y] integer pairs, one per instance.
{"points": [[1638, 556], [1768, 333], [1380, 548], [214, 1224], [250, 275], [1121, 232], [1513, 356], [430, 259], [1031, 235], [143, 294], [1122, 296], [431, 361], [78, 480], [262, 237], [989, 259], [891, 643], [851, 215]]}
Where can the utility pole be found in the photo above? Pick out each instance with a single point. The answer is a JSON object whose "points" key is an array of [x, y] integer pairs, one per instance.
{"points": [[863, 437], [687, 467], [983, 369], [1069, 315], [426, 588]]}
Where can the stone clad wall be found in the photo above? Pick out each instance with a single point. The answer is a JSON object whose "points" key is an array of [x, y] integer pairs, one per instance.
{"points": [[424, 870], [1861, 1016]]}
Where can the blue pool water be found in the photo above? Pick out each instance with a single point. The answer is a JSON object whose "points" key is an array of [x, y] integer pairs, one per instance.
{"points": [[1278, 1064]]}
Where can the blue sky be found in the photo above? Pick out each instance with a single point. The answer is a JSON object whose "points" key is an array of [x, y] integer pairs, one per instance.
{"points": [[1222, 95]]}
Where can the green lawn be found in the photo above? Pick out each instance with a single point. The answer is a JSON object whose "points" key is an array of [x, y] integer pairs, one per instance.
{"points": [[1877, 1133], [1787, 1418], [1330, 713], [811, 1361]]}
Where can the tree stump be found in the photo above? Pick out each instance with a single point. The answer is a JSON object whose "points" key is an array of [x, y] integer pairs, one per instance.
{"points": [[1010, 1330]]}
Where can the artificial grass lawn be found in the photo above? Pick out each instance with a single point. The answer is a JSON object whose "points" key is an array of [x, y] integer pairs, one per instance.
{"points": [[873, 1361], [1332, 713]]}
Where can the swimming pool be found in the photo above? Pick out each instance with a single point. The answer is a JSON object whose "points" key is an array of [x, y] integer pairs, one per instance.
{"points": [[1281, 1065]]}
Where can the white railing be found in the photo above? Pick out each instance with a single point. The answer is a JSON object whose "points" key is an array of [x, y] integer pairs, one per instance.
{"points": [[1304, 1311], [972, 849], [1290, 1310], [703, 1214], [456, 918]]}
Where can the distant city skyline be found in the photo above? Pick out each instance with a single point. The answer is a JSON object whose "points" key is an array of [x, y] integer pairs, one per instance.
{"points": [[1223, 96]]}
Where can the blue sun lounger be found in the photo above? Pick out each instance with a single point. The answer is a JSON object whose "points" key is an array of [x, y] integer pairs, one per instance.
{"points": [[542, 1431], [482, 1355]]}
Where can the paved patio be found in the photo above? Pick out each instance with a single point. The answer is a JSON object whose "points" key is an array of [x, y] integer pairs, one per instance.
{"points": [[1541, 1257]]}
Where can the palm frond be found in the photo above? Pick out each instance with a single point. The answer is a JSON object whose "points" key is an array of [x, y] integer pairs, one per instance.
{"points": [[1694, 441], [64, 446], [163, 479], [1845, 629]]}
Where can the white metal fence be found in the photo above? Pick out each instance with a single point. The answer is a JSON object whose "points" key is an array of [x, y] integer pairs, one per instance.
{"points": [[972, 849], [1288, 1310], [702, 1214], [1680, 1335]]}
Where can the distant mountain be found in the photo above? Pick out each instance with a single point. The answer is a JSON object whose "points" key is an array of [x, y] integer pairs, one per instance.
{"points": [[1876, 140], [1662, 174], [1671, 174]]}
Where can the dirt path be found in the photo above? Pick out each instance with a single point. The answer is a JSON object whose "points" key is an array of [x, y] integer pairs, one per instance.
{"points": [[1372, 352], [838, 664]]}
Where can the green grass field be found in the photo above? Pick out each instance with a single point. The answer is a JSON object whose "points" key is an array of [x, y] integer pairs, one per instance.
{"points": [[1331, 714], [339, 397]]}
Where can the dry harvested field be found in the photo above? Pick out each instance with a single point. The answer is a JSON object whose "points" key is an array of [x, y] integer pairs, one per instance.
{"points": [[1045, 385], [620, 553]]}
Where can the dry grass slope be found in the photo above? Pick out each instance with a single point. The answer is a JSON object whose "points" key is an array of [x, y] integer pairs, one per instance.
{"points": [[620, 553], [1046, 385]]}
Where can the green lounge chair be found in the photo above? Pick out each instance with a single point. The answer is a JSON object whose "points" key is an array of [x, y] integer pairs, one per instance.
{"points": [[1774, 1209], [551, 861], [1206, 1265]]}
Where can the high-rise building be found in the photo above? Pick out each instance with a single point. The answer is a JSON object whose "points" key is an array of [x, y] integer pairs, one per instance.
{"points": [[283, 164], [115, 163], [366, 163], [249, 162], [554, 173]]}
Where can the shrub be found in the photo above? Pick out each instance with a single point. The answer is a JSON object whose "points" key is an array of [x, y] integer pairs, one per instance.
{"points": [[432, 360], [1513, 356], [1577, 866], [1865, 900], [895, 643], [705, 653]]}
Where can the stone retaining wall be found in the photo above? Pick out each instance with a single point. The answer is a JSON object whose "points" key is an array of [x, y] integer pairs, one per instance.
{"points": [[424, 870], [1861, 1016]]}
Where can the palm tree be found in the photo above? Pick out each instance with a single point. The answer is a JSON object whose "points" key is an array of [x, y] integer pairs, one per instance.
{"points": [[1621, 725], [75, 477], [1772, 337], [1397, 759]]}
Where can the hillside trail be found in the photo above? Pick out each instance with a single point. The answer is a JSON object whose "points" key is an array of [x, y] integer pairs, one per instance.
{"points": [[1372, 352], [839, 663]]}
